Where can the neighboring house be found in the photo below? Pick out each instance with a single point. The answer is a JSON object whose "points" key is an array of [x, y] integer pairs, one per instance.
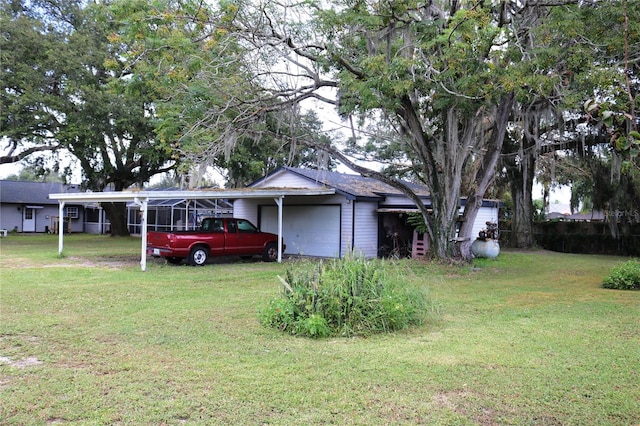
{"points": [[26, 207], [364, 214], [594, 216], [556, 216]]}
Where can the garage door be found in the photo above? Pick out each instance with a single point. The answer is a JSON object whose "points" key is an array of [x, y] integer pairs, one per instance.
{"points": [[307, 230]]}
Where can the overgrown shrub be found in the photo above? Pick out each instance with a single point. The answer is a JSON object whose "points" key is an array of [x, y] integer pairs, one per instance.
{"points": [[345, 297], [625, 276]]}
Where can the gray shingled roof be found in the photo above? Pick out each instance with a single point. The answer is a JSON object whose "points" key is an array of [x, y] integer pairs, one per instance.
{"points": [[37, 193], [353, 185]]}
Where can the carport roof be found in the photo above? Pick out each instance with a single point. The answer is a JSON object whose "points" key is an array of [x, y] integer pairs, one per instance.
{"points": [[230, 194], [144, 197], [218, 203]]}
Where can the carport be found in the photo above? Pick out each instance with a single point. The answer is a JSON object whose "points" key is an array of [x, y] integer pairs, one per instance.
{"points": [[142, 198]]}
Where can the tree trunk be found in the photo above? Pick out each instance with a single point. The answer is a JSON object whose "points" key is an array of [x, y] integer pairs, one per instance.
{"points": [[522, 221], [521, 184], [117, 215], [441, 224], [484, 176]]}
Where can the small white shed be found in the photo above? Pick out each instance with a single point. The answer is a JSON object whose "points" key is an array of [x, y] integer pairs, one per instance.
{"points": [[364, 214]]}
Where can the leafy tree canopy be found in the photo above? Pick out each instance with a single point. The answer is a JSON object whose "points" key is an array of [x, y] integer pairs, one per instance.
{"points": [[65, 86]]}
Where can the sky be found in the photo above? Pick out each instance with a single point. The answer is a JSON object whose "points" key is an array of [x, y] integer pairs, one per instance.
{"points": [[9, 169], [559, 198]]}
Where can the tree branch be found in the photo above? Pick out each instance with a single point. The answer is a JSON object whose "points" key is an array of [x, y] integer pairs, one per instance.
{"points": [[8, 159]]}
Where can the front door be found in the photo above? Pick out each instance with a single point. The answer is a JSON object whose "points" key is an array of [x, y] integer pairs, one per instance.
{"points": [[28, 219]]}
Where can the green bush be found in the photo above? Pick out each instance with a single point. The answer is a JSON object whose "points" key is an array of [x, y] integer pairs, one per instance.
{"points": [[625, 276], [345, 297]]}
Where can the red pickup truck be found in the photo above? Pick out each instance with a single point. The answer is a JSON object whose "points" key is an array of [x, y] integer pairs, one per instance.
{"points": [[215, 237]]}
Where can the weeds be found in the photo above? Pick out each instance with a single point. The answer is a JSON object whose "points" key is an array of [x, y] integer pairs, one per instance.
{"points": [[625, 276], [345, 297]]}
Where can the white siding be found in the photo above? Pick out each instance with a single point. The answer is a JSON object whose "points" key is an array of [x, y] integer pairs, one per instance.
{"points": [[485, 214], [92, 228], [397, 200], [284, 179], [247, 209], [346, 222], [366, 228], [10, 217]]}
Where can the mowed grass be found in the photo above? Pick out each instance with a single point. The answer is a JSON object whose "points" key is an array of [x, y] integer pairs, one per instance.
{"points": [[528, 339]]}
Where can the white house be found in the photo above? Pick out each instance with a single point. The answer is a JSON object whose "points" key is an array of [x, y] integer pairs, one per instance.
{"points": [[364, 214]]}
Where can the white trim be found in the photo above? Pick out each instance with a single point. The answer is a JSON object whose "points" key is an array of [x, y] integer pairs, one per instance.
{"points": [[60, 227], [124, 196], [397, 210], [279, 204]]}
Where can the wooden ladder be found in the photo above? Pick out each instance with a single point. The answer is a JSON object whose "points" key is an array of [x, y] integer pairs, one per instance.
{"points": [[420, 245]]}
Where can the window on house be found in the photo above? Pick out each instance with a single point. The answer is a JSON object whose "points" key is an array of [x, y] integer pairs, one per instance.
{"points": [[72, 212], [92, 215]]}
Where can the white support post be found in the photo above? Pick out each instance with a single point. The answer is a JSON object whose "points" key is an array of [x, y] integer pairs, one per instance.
{"points": [[143, 231], [60, 227], [279, 204], [186, 219], [100, 224]]}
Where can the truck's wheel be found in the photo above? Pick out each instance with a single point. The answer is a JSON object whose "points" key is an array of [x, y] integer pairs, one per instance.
{"points": [[198, 256], [174, 260], [270, 253]]}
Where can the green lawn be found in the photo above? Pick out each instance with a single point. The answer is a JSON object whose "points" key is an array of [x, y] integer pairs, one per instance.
{"points": [[528, 339]]}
